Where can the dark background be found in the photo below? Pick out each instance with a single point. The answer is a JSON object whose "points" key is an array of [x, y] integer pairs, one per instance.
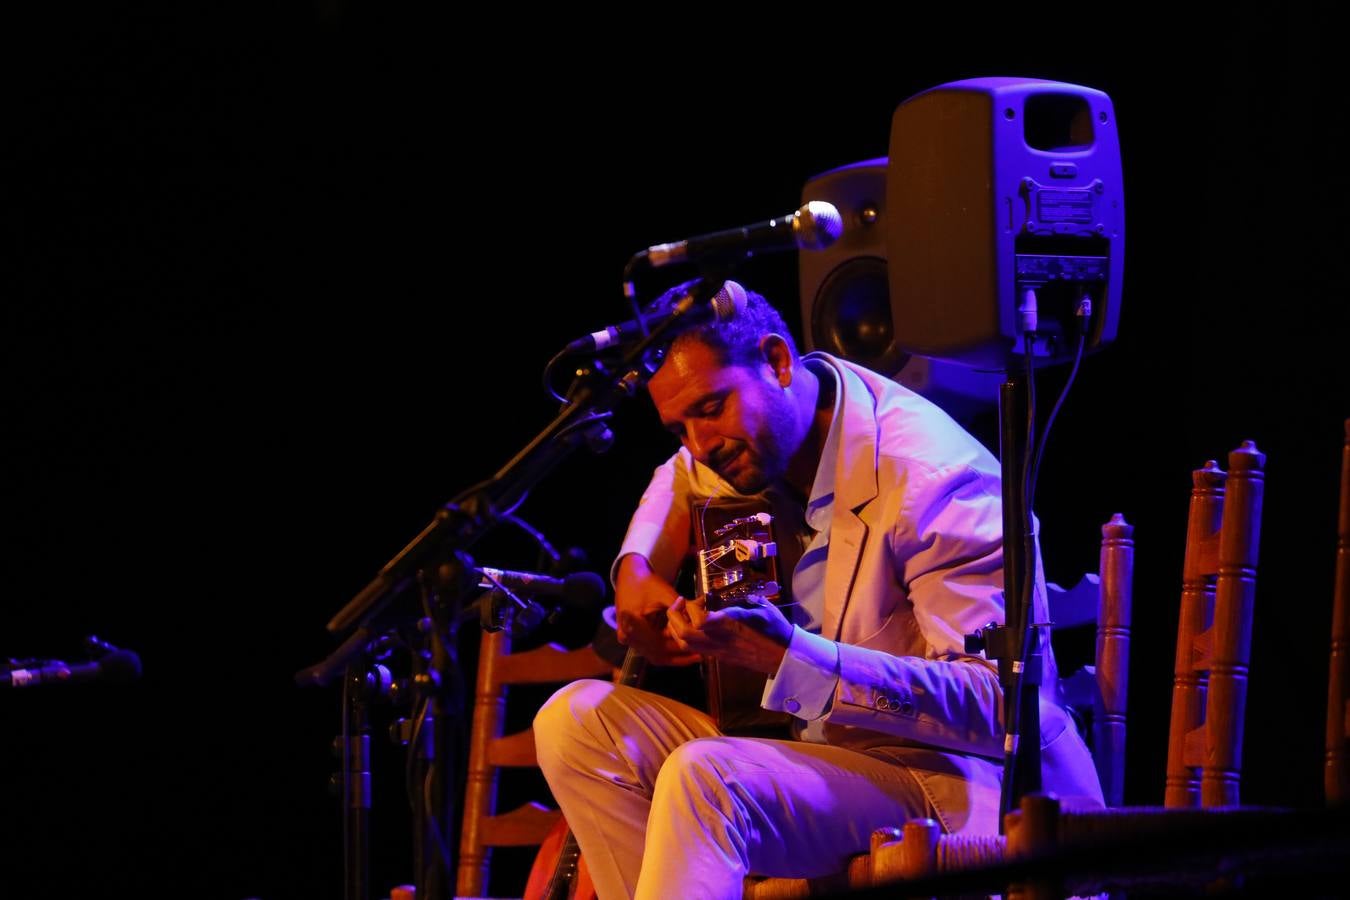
{"points": [[279, 285]]}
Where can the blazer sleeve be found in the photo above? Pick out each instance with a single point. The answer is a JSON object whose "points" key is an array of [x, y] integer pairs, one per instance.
{"points": [[946, 548]]}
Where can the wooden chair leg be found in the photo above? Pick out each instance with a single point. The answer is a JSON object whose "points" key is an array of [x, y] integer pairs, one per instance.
{"points": [[1337, 775]]}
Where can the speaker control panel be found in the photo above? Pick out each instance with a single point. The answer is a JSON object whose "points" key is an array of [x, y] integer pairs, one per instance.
{"points": [[1061, 282], [1035, 270]]}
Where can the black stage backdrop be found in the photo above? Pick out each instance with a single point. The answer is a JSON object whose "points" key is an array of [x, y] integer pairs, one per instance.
{"points": [[279, 285]]}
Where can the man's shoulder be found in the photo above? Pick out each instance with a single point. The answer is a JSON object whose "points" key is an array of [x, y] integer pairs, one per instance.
{"points": [[911, 430]]}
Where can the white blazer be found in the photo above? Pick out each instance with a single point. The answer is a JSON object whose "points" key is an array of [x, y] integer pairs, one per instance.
{"points": [[915, 562]]}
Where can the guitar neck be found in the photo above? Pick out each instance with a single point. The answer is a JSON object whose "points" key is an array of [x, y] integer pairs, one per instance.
{"points": [[633, 669], [562, 883]]}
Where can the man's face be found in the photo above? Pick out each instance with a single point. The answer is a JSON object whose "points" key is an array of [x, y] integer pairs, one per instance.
{"points": [[737, 420]]}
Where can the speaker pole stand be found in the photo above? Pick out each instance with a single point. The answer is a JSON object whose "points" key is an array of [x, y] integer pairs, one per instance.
{"points": [[1020, 657]]}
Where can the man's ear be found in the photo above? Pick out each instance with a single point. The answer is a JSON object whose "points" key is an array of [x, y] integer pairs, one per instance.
{"points": [[778, 354]]}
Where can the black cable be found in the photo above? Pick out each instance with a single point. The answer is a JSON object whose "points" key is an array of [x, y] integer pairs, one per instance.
{"points": [[573, 426], [1083, 317], [537, 535], [630, 292], [411, 789], [1034, 453], [410, 759], [548, 376]]}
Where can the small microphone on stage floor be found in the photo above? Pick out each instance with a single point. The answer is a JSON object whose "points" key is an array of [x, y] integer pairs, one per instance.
{"points": [[115, 667]]}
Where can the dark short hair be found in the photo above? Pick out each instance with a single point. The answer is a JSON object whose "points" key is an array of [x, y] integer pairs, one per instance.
{"points": [[736, 340]]}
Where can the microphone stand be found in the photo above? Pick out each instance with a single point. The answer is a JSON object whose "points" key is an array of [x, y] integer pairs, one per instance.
{"points": [[437, 560], [462, 521], [354, 749], [439, 686]]}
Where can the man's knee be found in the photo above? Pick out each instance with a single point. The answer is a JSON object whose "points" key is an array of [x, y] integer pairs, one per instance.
{"points": [[563, 719], [698, 772]]}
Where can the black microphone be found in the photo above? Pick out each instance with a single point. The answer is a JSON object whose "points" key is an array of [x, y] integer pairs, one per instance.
{"points": [[117, 667], [578, 589], [725, 305], [815, 226], [583, 592]]}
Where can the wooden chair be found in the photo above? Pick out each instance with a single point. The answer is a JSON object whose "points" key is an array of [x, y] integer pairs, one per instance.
{"points": [[1209, 693], [1103, 599], [490, 751], [1337, 774], [1222, 539], [1063, 851]]}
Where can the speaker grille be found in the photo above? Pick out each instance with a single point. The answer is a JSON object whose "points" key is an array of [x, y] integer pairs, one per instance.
{"points": [[852, 315]]}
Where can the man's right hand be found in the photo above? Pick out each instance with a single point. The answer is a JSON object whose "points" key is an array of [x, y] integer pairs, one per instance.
{"points": [[641, 598]]}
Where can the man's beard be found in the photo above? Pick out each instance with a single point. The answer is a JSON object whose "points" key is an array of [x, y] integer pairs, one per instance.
{"points": [[751, 472], [760, 464]]}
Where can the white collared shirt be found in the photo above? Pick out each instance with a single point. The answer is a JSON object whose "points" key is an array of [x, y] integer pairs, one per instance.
{"points": [[807, 677]]}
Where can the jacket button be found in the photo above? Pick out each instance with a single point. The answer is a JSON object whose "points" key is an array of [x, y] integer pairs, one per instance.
{"points": [[883, 702], [907, 707], [791, 705]]}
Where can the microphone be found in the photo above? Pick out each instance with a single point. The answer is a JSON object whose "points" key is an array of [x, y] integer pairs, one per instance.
{"points": [[580, 591], [117, 667], [579, 588], [815, 226], [725, 305]]}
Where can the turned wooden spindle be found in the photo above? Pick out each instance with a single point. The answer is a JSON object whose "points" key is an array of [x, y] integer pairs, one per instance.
{"points": [[1190, 673], [1113, 656], [1337, 774], [1230, 643]]}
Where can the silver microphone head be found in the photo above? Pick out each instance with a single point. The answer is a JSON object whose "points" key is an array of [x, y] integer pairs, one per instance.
{"points": [[817, 225], [729, 302]]}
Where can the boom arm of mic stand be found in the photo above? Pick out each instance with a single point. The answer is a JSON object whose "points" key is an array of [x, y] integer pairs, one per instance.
{"points": [[461, 522]]}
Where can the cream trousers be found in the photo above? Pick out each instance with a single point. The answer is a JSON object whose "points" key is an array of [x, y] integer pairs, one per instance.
{"points": [[664, 806]]}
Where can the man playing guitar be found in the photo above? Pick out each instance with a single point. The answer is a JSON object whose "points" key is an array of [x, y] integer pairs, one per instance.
{"points": [[898, 512]]}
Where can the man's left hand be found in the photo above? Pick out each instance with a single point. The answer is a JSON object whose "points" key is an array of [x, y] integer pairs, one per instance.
{"points": [[753, 637]]}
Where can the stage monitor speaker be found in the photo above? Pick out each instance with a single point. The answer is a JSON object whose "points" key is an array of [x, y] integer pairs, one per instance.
{"points": [[1002, 190], [846, 305]]}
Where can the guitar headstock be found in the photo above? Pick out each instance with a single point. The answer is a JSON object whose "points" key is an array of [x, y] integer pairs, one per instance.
{"points": [[739, 565]]}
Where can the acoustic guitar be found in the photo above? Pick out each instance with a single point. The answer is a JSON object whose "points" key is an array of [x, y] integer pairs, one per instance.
{"points": [[735, 563]]}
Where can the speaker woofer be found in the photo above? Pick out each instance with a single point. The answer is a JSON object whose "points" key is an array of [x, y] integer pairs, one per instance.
{"points": [[851, 317]]}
